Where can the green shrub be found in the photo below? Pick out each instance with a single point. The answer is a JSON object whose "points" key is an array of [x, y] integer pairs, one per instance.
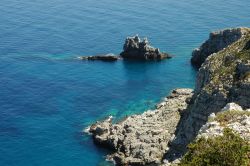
{"points": [[229, 116], [227, 150]]}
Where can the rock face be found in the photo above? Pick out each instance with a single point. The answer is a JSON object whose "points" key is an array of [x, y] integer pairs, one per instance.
{"points": [[216, 42], [134, 48], [108, 57], [143, 139], [223, 78]]}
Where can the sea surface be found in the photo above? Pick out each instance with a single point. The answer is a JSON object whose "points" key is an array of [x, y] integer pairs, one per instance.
{"points": [[48, 96]]}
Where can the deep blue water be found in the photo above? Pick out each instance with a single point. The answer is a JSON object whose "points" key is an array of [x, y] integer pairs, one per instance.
{"points": [[47, 97]]}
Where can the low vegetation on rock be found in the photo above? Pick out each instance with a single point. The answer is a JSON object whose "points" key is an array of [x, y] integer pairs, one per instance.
{"points": [[230, 116], [226, 150]]}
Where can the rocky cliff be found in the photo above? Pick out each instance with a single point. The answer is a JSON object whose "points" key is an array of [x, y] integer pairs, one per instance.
{"points": [[160, 137], [223, 78], [216, 42]]}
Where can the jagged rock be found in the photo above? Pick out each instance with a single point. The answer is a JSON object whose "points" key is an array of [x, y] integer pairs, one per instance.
{"points": [[142, 139], [101, 57], [100, 130], [134, 48], [216, 42]]}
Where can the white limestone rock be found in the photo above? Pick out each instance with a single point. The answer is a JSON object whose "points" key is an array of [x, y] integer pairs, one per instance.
{"points": [[232, 107]]}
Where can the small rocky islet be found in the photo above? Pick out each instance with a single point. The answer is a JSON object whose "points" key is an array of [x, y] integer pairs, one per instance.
{"points": [[161, 136], [133, 49]]}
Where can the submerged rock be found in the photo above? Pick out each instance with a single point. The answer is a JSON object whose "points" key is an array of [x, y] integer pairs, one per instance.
{"points": [[216, 42], [134, 48], [108, 57]]}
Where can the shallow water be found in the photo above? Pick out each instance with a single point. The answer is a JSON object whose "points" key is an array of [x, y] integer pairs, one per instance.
{"points": [[47, 96]]}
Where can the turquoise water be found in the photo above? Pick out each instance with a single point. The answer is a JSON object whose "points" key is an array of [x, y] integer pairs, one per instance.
{"points": [[47, 96]]}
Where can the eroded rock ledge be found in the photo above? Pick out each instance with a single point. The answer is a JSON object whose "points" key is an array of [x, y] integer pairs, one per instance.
{"points": [[143, 139]]}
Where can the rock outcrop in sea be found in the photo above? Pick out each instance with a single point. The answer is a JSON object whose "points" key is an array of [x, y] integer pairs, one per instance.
{"points": [[216, 42], [134, 48], [161, 136]]}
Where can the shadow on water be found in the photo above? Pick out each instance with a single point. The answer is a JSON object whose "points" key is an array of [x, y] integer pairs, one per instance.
{"points": [[141, 68], [86, 141], [7, 129]]}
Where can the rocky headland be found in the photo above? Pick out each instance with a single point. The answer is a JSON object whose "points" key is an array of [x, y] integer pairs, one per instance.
{"points": [[161, 136]]}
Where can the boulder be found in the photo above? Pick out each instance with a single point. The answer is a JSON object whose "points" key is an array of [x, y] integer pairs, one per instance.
{"points": [[134, 48]]}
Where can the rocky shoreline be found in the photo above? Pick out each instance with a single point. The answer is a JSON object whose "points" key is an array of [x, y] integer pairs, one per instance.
{"points": [[161, 136], [143, 139]]}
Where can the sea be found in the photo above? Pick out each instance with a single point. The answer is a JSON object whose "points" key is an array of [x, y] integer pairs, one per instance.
{"points": [[48, 96]]}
